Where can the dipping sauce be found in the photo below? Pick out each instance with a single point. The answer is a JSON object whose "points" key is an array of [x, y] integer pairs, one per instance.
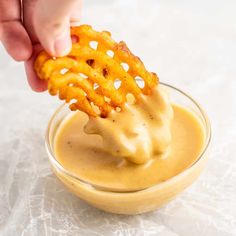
{"points": [[90, 156]]}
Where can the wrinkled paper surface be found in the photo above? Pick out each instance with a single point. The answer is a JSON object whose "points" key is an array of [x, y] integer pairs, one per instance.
{"points": [[190, 44]]}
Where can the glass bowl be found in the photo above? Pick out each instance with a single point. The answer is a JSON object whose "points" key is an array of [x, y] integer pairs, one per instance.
{"points": [[135, 202]]}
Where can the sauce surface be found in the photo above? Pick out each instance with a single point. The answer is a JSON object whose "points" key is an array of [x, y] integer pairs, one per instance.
{"points": [[84, 155]]}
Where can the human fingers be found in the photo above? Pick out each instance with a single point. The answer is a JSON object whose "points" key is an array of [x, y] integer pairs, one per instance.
{"points": [[35, 83], [12, 33], [52, 25], [76, 13]]}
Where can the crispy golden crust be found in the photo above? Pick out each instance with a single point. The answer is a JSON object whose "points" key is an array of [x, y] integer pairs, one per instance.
{"points": [[87, 74]]}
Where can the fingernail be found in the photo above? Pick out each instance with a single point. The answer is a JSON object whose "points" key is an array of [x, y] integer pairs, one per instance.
{"points": [[62, 44]]}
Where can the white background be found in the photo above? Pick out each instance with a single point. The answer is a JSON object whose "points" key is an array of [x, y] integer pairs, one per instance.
{"points": [[190, 44]]}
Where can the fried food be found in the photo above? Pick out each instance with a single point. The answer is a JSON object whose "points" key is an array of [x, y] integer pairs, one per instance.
{"points": [[86, 77]]}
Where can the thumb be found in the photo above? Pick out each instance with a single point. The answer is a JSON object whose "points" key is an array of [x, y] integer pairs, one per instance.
{"points": [[51, 22]]}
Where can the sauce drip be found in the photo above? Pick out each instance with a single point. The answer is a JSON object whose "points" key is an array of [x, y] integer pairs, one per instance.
{"points": [[139, 131]]}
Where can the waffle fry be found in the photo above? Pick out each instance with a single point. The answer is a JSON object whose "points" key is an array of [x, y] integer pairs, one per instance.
{"points": [[86, 76]]}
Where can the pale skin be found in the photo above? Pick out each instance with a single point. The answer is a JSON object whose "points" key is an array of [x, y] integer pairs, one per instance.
{"points": [[28, 26]]}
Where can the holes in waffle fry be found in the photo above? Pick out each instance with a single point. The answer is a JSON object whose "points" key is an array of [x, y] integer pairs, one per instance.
{"points": [[108, 100], [118, 109], [125, 66], [140, 82], [93, 44], [117, 83], [130, 98], [95, 85], [95, 108], [110, 53], [110, 71], [83, 75], [73, 101], [63, 71]]}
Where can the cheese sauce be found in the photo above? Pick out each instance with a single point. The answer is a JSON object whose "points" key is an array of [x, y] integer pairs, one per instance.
{"points": [[139, 131], [164, 139]]}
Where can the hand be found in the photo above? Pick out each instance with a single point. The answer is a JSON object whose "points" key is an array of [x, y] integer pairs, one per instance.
{"points": [[46, 24]]}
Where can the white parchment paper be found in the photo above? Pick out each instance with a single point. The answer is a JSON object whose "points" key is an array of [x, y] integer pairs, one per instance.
{"points": [[190, 44]]}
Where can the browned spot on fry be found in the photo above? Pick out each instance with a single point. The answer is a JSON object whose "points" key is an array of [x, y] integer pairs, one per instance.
{"points": [[90, 62]]}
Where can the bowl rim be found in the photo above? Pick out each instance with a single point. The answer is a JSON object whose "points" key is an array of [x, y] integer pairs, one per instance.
{"points": [[54, 161]]}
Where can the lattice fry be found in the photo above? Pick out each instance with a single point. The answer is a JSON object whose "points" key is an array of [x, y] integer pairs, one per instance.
{"points": [[86, 76]]}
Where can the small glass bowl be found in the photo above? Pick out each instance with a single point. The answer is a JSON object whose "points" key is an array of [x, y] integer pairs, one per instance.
{"points": [[138, 201]]}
